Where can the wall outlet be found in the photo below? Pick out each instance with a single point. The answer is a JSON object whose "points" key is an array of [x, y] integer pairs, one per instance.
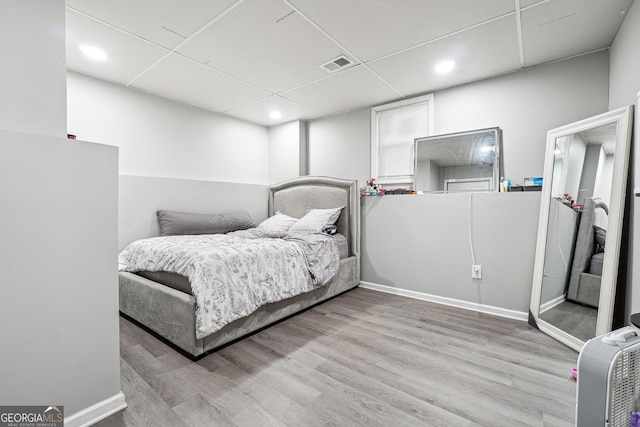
{"points": [[476, 272]]}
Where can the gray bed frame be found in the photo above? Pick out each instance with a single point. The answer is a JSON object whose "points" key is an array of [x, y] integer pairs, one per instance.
{"points": [[171, 313]]}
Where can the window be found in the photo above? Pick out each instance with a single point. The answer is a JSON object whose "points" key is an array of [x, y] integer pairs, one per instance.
{"points": [[394, 127]]}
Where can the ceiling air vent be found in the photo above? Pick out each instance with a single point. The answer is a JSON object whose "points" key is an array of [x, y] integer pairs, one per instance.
{"points": [[337, 64]]}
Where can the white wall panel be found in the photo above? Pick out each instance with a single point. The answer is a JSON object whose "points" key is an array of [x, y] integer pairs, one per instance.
{"points": [[162, 138], [340, 146], [287, 151], [59, 310], [32, 75], [423, 244]]}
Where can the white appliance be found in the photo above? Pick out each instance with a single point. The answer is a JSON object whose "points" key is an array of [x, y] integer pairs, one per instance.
{"points": [[608, 392]]}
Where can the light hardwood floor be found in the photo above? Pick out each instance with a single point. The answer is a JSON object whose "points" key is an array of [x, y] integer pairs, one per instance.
{"points": [[363, 358]]}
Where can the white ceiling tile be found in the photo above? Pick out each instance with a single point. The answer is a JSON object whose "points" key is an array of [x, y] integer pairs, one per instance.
{"points": [[348, 90], [527, 3], [559, 29], [275, 47], [259, 112], [480, 52], [186, 81], [374, 28], [165, 22], [264, 43], [127, 55]]}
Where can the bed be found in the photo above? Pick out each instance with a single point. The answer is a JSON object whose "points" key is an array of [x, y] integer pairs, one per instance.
{"points": [[171, 313]]}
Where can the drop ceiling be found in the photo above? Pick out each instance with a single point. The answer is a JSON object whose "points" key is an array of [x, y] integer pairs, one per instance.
{"points": [[247, 58]]}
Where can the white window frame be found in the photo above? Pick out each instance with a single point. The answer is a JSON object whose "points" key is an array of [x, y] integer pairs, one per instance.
{"points": [[401, 180]]}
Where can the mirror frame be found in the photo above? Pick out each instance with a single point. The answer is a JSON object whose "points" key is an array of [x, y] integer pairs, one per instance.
{"points": [[623, 117], [497, 162]]}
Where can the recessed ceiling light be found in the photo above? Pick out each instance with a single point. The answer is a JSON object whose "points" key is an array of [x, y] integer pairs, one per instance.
{"points": [[445, 67], [275, 114], [93, 52]]}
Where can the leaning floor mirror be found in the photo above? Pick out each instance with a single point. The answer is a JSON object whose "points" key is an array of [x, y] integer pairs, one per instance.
{"points": [[580, 227]]}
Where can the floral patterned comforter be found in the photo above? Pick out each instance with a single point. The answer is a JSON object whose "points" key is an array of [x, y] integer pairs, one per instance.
{"points": [[233, 274]]}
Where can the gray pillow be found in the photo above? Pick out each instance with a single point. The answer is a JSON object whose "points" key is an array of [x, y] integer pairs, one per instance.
{"points": [[315, 220], [174, 223]]}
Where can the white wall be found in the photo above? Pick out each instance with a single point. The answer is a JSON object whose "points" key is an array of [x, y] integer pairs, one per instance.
{"points": [[421, 244], [624, 85], [399, 231], [163, 138], [141, 197], [563, 223], [340, 146], [58, 222], [59, 305], [32, 75], [287, 151], [525, 105], [572, 169]]}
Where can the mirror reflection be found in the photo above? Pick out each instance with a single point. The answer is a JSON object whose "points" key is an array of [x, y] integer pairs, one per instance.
{"points": [[577, 228], [578, 251], [459, 162]]}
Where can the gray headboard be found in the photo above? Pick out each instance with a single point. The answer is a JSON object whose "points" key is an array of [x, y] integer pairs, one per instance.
{"points": [[294, 196]]}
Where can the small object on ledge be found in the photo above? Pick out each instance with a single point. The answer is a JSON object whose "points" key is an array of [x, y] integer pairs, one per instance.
{"points": [[373, 189], [69, 136], [533, 181]]}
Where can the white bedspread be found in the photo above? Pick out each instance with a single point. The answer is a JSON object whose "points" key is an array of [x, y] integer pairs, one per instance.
{"points": [[233, 274]]}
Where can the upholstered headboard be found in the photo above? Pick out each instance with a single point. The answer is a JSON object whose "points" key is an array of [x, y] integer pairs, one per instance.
{"points": [[294, 196]]}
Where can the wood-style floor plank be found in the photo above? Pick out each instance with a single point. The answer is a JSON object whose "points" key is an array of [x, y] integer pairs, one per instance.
{"points": [[363, 358]]}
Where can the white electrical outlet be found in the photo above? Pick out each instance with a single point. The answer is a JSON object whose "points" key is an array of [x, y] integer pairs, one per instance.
{"points": [[476, 272]]}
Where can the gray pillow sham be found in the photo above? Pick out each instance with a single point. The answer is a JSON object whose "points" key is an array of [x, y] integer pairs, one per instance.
{"points": [[175, 223]]}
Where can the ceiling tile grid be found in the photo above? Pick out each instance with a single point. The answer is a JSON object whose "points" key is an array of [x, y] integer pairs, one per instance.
{"points": [[166, 23], [560, 29], [483, 51], [248, 58], [264, 43], [127, 56], [375, 28], [346, 91], [184, 80], [259, 112]]}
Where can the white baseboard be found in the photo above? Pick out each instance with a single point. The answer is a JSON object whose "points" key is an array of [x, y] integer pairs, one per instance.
{"points": [[97, 412], [488, 309], [550, 304]]}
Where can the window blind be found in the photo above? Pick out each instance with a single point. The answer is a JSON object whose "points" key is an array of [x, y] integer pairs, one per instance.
{"points": [[397, 128]]}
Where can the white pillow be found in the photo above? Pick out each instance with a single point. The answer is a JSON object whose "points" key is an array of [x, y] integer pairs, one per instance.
{"points": [[315, 220], [278, 223]]}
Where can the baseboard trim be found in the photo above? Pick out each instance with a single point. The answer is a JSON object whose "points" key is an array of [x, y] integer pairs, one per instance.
{"points": [[97, 412], [550, 304], [487, 309]]}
